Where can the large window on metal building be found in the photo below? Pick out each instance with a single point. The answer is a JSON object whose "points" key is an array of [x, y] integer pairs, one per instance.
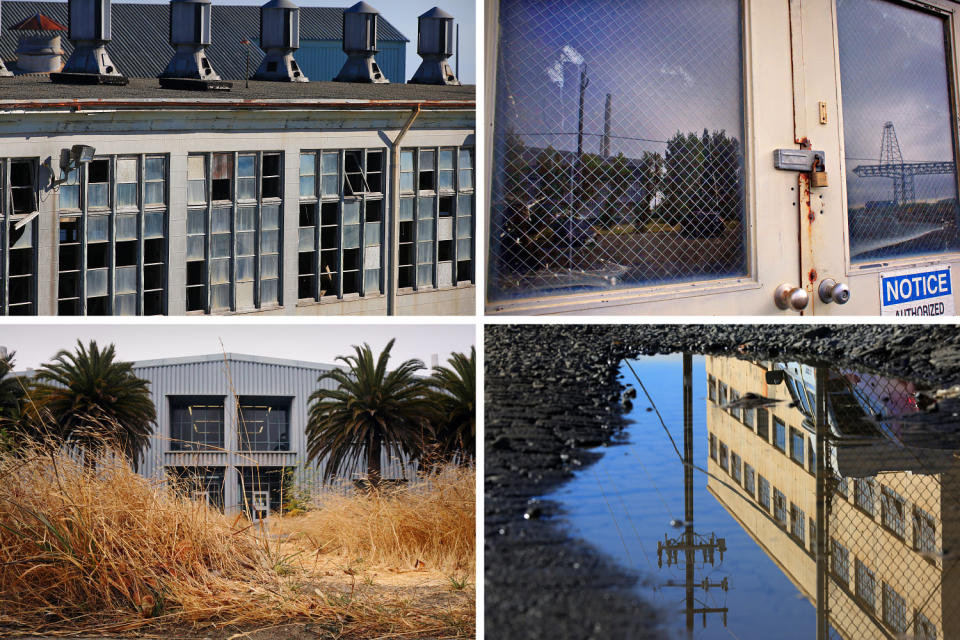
{"points": [[234, 217], [196, 423], [18, 236], [264, 423], [112, 251], [436, 217], [342, 213], [616, 166], [204, 484]]}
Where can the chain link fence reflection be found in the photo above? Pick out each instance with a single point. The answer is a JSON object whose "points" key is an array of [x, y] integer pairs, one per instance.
{"points": [[618, 159]]}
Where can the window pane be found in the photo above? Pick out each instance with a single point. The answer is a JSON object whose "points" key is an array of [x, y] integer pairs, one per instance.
{"points": [[246, 166], [196, 169], [127, 170], [673, 192], [901, 201], [155, 169], [153, 193]]}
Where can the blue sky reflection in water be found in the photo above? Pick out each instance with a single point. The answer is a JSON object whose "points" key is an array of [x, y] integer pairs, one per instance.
{"points": [[641, 483]]}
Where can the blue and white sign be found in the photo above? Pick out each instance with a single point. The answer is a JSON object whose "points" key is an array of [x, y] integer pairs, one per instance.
{"points": [[917, 292]]}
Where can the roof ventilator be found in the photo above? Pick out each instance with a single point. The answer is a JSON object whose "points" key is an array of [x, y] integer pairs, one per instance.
{"points": [[38, 49], [89, 31], [190, 28], [435, 46], [279, 38], [360, 45]]}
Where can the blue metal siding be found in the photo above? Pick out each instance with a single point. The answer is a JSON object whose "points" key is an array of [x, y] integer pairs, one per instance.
{"points": [[321, 60]]}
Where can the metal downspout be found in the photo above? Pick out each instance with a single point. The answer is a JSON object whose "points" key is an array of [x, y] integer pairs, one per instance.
{"points": [[393, 239]]}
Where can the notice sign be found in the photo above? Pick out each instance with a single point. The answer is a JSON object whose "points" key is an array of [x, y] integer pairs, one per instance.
{"points": [[917, 292]]}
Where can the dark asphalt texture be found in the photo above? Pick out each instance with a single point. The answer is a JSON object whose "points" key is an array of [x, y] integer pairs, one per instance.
{"points": [[551, 393]]}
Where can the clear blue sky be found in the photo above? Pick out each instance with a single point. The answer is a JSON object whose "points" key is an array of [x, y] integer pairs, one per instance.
{"points": [[403, 15]]}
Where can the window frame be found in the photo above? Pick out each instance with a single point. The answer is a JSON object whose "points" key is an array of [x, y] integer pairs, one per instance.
{"points": [[9, 218], [318, 199], [177, 403], [258, 203], [113, 213]]}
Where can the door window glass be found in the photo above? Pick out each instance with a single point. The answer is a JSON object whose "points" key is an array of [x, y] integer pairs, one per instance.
{"points": [[898, 139], [618, 157]]}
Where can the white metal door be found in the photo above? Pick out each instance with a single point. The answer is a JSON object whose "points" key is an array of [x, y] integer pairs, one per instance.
{"points": [[259, 505], [875, 88]]}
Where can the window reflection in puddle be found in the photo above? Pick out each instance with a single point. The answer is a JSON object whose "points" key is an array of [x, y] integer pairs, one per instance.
{"points": [[727, 544]]}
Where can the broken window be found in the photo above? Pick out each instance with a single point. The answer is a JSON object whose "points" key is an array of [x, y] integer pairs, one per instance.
{"points": [[354, 182], [264, 424], [406, 244], [270, 183], [23, 190], [233, 247], [98, 184], [196, 259], [222, 176], [425, 179], [203, 484], [112, 255], [196, 423], [18, 238]]}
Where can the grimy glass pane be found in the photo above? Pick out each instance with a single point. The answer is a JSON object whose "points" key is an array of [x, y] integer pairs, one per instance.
{"points": [[897, 131], [644, 184]]}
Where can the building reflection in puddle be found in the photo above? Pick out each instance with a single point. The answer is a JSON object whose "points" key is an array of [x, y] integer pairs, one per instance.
{"points": [[791, 446]]}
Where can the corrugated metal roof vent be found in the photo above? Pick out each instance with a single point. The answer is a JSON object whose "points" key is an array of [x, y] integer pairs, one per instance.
{"points": [[38, 49], [435, 46], [89, 32], [190, 32], [360, 45], [279, 38]]}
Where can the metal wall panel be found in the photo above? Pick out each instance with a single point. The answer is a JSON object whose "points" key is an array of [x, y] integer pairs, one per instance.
{"points": [[230, 377], [321, 60]]}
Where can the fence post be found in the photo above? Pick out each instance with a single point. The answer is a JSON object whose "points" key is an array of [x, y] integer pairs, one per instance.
{"points": [[823, 511]]}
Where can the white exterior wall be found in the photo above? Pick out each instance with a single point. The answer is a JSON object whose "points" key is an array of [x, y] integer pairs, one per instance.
{"points": [[181, 132]]}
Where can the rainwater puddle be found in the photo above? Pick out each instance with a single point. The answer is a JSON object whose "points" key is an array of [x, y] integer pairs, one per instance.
{"points": [[729, 548]]}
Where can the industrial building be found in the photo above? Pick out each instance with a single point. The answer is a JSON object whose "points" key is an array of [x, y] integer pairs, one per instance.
{"points": [[229, 424], [197, 194], [891, 508]]}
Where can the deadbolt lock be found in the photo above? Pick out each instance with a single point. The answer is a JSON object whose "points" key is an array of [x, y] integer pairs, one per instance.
{"points": [[832, 291], [789, 297]]}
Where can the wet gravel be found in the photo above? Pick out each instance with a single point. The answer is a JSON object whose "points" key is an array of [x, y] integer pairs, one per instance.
{"points": [[551, 393]]}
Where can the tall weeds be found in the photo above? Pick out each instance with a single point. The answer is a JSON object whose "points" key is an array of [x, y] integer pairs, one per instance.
{"points": [[101, 548], [431, 521]]}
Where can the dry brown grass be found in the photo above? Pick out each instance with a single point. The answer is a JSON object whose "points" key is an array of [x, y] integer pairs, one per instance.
{"points": [[106, 551], [429, 522]]}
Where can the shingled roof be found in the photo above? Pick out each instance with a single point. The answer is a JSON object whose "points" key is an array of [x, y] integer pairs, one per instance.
{"points": [[140, 32]]}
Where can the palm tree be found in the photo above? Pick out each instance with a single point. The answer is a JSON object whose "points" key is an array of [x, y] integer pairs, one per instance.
{"points": [[371, 409], [96, 402], [11, 397], [455, 397]]}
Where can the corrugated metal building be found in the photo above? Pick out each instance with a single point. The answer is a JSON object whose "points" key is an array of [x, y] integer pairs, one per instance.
{"points": [[140, 45], [228, 423], [275, 198]]}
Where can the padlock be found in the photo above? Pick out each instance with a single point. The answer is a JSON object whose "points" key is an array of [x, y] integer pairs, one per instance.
{"points": [[818, 177]]}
